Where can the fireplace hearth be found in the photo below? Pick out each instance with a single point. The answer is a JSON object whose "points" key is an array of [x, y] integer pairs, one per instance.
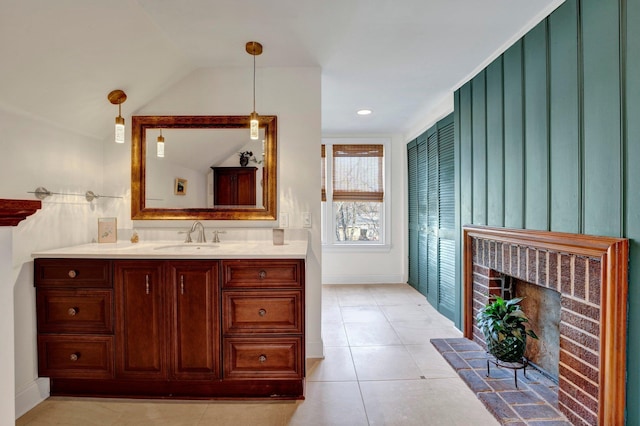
{"points": [[590, 275]]}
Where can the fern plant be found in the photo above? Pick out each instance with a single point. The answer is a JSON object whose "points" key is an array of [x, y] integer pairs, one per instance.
{"points": [[503, 324]]}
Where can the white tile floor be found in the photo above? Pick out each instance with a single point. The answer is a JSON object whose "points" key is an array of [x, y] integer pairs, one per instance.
{"points": [[379, 369]]}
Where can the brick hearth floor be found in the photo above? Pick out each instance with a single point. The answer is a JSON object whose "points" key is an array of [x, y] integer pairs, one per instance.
{"points": [[533, 403]]}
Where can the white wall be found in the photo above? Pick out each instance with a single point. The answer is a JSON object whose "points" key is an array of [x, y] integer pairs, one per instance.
{"points": [[293, 95], [7, 377], [353, 266], [36, 153]]}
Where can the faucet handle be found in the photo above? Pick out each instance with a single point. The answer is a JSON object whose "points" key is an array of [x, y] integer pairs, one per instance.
{"points": [[216, 236], [188, 238]]}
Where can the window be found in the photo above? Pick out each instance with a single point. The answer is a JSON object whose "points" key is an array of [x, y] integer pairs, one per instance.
{"points": [[353, 192]]}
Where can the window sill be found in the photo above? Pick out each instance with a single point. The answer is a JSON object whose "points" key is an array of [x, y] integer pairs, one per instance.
{"points": [[356, 248]]}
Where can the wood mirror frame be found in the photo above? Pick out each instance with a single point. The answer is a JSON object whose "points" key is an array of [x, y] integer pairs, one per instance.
{"points": [[138, 179]]}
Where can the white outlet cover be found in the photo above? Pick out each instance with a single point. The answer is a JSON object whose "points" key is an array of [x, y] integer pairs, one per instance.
{"points": [[306, 219], [284, 220]]}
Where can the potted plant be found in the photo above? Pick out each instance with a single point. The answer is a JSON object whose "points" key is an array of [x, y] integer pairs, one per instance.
{"points": [[502, 323], [244, 157]]}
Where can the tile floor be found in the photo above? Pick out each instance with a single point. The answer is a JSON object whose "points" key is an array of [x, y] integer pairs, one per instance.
{"points": [[379, 369]]}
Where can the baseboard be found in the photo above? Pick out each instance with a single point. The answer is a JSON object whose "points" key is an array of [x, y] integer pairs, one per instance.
{"points": [[362, 279], [314, 349], [32, 395]]}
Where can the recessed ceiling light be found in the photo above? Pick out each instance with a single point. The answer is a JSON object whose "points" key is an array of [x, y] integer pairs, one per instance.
{"points": [[364, 112]]}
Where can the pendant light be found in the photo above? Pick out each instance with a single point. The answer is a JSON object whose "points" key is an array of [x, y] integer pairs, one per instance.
{"points": [[254, 49], [117, 97], [160, 146]]}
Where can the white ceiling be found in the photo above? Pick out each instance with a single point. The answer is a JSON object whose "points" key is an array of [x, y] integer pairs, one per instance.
{"points": [[401, 58]]}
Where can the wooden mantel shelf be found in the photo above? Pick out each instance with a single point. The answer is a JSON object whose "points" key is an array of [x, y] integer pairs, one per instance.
{"points": [[13, 212]]}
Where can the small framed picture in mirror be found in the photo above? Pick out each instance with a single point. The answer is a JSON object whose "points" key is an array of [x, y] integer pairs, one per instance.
{"points": [[180, 187]]}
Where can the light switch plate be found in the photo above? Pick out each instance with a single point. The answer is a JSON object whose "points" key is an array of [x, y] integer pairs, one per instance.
{"points": [[306, 220], [284, 220]]}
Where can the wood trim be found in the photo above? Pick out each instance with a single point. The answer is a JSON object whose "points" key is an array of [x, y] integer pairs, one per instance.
{"points": [[13, 212], [141, 123], [614, 257]]}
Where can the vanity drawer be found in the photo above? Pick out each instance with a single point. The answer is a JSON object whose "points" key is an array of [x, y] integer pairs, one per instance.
{"points": [[256, 358], [72, 273], [83, 357], [262, 311], [262, 273], [75, 311]]}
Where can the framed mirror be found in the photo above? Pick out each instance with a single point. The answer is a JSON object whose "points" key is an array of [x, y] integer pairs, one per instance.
{"points": [[202, 175]]}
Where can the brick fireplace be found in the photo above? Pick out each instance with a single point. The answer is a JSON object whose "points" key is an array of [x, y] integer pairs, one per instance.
{"points": [[590, 273]]}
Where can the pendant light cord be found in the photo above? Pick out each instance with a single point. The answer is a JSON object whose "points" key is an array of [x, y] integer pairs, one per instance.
{"points": [[254, 79]]}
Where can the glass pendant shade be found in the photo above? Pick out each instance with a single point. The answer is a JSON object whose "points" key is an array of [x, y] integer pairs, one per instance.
{"points": [[160, 146], [119, 129], [254, 126]]}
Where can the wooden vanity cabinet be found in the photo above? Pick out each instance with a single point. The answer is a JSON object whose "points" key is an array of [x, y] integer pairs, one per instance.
{"points": [[140, 320], [74, 304], [263, 319], [195, 324], [171, 328]]}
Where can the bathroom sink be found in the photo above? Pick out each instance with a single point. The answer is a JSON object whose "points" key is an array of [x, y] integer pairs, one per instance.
{"points": [[187, 247]]}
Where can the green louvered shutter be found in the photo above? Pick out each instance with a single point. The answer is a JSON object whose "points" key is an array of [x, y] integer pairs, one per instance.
{"points": [[412, 185], [446, 219], [423, 273], [432, 221]]}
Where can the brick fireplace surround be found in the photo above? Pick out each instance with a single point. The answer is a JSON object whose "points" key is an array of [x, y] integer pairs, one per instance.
{"points": [[590, 273]]}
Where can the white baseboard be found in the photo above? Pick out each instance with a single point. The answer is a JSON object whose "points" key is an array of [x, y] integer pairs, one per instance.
{"points": [[314, 349], [32, 395], [362, 279]]}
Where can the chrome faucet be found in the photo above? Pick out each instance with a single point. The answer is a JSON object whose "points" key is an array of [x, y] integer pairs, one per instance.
{"points": [[200, 238]]}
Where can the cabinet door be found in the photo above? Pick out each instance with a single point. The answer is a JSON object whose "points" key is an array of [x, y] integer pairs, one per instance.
{"points": [[224, 188], [140, 328], [246, 187], [195, 330]]}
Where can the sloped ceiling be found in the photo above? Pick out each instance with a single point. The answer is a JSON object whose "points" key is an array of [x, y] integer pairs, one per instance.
{"points": [[59, 59]]}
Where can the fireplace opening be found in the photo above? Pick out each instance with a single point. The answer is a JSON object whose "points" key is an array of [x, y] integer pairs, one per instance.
{"points": [[542, 307]]}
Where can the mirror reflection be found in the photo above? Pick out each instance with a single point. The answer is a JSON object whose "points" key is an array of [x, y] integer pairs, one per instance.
{"points": [[203, 167]]}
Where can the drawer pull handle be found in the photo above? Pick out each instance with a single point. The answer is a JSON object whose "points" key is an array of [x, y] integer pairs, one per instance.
{"points": [[262, 359], [146, 284], [262, 312], [72, 311], [73, 273], [262, 274], [74, 357], [181, 284]]}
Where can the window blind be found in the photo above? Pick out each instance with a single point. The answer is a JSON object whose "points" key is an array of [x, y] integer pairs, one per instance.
{"points": [[358, 173]]}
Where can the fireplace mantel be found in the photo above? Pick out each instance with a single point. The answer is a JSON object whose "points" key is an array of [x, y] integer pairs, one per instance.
{"points": [[13, 212], [545, 258]]}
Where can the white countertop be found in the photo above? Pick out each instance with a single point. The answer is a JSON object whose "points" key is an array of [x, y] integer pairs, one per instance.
{"points": [[296, 249]]}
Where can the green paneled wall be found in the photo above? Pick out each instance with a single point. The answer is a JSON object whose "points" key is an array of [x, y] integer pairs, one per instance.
{"points": [[631, 193], [513, 138], [602, 121], [564, 121], [536, 138], [548, 137], [479, 147], [495, 145]]}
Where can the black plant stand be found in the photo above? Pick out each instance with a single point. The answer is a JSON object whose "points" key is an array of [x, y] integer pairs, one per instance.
{"points": [[515, 366]]}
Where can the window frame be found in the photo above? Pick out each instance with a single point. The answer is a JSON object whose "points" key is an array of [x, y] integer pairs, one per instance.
{"points": [[328, 224]]}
